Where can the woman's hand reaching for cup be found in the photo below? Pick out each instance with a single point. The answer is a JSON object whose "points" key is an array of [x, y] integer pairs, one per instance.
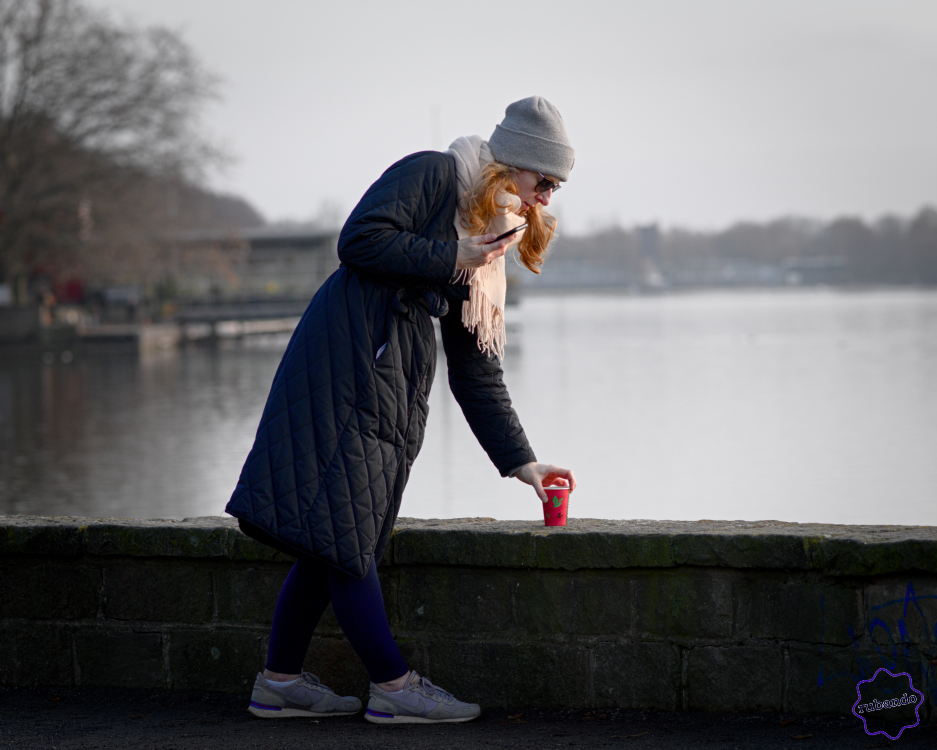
{"points": [[475, 252], [539, 476]]}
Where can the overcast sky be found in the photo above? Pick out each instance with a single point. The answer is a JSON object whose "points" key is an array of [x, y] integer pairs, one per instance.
{"points": [[683, 112]]}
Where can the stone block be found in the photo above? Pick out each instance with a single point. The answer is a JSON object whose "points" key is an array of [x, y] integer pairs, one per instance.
{"points": [[772, 608], [37, 535], [467, 546], [226, 660], [335, 662], [157, 538], [454, 599], [411, 649], [740, 549], [248, 595], [636, 675], [328, 625], [735, 678], [241, 547], [584, 602], [688, 602], [903, 610], [867, 554], [120, 658], [36, 590], [501, 674], [177, 592], [570, 549], [823, 679], [39, 655]]}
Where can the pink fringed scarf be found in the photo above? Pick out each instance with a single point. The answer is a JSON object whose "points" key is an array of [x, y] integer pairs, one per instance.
{"points": [[483, 314]]}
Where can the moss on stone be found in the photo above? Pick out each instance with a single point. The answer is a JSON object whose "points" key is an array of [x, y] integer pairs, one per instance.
{"points": [[155, 539], [739, 550], [577, 550], [583, 544], [30, 535]]}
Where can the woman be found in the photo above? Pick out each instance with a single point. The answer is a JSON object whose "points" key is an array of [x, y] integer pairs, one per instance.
{"points": [[346, 413]]}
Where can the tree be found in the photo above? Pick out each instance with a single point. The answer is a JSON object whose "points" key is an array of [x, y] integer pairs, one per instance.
{"points": [[97, 126]]}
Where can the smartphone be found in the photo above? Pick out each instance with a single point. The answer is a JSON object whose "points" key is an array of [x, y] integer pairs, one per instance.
{"points": [[507, 234]]}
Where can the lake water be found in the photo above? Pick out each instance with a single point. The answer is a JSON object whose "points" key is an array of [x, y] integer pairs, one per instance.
{"points": [[790, 405]]}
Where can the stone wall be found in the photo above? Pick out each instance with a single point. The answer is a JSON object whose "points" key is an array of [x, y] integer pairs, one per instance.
{"points": [[735, 616]]}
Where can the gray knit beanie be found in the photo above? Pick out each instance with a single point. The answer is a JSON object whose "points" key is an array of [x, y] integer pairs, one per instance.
{"points": [[532, 136]]}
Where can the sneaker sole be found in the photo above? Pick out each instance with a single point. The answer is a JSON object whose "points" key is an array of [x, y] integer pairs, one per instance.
{"points": [[382, 718], [275, 712]]}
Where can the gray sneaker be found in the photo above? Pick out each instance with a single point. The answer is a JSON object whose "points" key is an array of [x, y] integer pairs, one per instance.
{"points": [[420, 702], [306, 697]]}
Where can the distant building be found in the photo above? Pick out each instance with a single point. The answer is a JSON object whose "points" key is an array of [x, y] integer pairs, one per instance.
{"points": [[815, 269], [263, 263]]}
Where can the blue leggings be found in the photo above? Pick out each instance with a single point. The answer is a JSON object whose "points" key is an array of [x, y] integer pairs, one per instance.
{"points": [[358, 606]]}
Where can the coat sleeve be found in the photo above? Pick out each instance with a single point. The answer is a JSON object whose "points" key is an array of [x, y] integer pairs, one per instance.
{"points": [[382, 234], [476, 381]]}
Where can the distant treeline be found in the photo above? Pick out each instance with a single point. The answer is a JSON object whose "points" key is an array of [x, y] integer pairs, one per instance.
{"points": [[891, 250]]}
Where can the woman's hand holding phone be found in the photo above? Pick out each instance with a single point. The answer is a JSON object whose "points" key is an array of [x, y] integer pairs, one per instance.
{"points": [[475, 252], [480, 251]]}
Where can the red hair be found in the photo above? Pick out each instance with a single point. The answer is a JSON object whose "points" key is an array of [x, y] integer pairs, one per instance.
{"points": [[480, 205]]}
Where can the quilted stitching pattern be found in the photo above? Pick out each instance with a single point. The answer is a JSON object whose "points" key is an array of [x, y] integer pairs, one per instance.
{"points": [[476, 381], [385, 232], [341, 430]]}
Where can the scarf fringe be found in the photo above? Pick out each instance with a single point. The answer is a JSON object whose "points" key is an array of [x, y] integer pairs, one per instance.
{"points": [[481, 315]]}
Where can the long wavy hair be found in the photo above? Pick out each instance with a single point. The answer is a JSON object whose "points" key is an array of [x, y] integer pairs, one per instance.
{"points": [[480, 205]]}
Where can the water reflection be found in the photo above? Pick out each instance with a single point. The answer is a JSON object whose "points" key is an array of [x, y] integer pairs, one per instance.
{"points": [[128, 436], [803, 406]]}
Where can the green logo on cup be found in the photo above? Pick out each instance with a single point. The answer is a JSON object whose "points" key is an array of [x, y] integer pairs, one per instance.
{"points": [[556, 502]]}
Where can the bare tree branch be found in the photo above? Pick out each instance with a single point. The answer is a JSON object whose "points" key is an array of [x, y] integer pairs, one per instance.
{"points": [[91, 113]]}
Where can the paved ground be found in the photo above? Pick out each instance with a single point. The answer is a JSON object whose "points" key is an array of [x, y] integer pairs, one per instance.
{"points": [[85, 718]]}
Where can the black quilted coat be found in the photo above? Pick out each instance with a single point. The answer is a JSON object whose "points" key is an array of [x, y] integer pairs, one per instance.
{"points": [[347, 410]]}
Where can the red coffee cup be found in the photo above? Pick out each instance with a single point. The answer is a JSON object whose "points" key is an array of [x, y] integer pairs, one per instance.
{"points": [[554, 509]]}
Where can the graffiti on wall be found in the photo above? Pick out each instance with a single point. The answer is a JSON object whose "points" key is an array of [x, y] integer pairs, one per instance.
{"points": [[904, 638]]}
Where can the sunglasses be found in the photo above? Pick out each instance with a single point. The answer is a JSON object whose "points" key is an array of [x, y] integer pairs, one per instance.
{"points": [[546, 184]]}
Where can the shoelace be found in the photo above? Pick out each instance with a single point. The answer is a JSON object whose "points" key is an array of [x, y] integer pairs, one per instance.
{"points": [[435, 692], [312, 681]]}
